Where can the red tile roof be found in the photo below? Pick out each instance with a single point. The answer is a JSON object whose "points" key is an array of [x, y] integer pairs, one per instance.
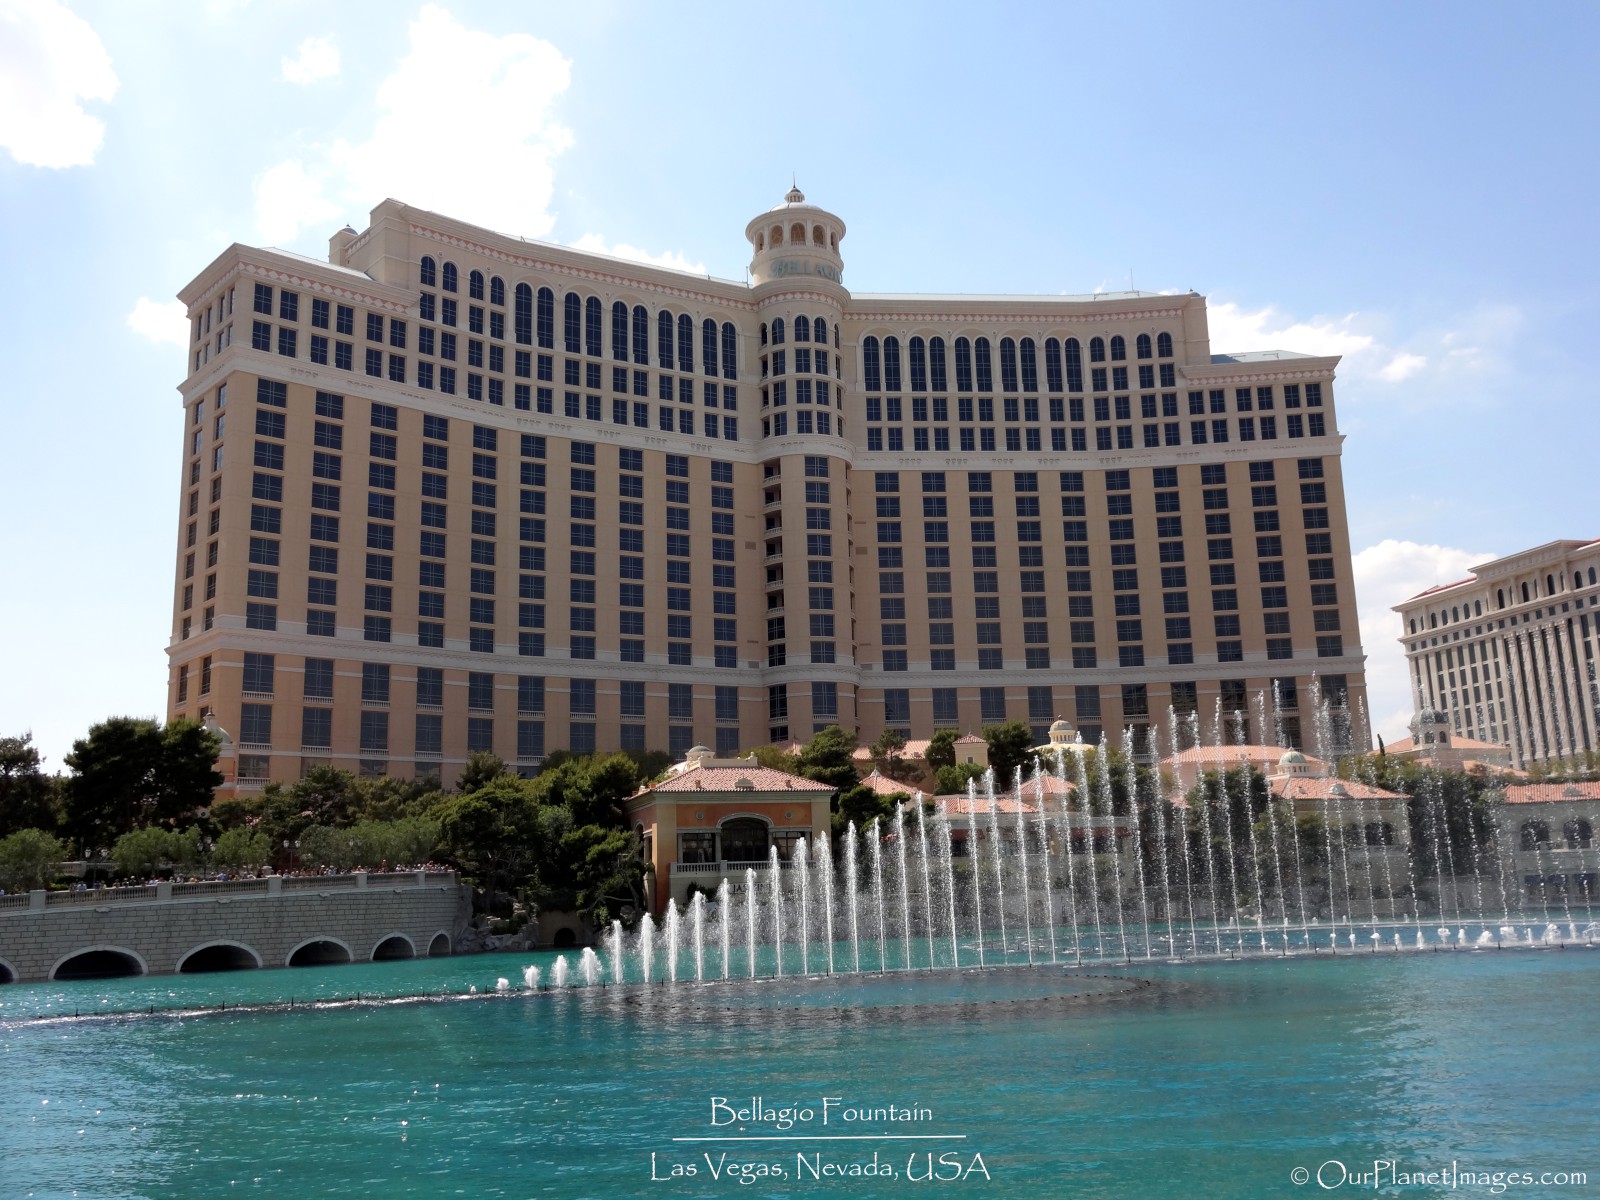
{"points": [[885, 786], [1303, 787], [1551, 793], [727, 779]]}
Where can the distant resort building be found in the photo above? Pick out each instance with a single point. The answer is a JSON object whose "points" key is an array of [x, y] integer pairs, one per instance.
{"points": [[1548, 833], [1433, 743], [1508, 654], [716, 818]]}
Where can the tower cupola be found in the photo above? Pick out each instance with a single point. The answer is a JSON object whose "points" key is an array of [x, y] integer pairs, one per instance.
{"points": [[795, 241]]}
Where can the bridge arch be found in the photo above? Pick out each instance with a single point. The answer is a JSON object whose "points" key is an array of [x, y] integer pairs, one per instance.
{"points": [[439, 945], [8, 973], [319, 951], [393, 946], [99, 962], [219, 955]]}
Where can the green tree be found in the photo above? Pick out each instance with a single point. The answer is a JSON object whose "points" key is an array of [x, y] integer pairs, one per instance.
{"points": [[483, 768], [941, 751], [324, 794], [494, 834], [140, 851], [593, 789], [242, 848], [597, 872], [829, 758], [28, 797], [29, 858], [952, 780], [129, 771], [1010, 747], [860, 804]]}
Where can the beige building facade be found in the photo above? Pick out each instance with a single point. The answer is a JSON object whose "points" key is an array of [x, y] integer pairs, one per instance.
{"points": [[452, 490], [1508, 655]]}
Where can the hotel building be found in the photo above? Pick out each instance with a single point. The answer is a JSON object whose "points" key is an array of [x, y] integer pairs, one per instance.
{"points": [[452, 491], [1507, 655]]}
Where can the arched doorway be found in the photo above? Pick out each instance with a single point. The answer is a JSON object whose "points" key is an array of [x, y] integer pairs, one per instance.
{"points": [[395, 946], [100, 962], [220, 956], [319, 952], [744, 839]]}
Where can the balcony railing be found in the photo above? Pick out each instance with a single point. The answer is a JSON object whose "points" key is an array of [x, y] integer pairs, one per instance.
{"points": [[725, 867]]}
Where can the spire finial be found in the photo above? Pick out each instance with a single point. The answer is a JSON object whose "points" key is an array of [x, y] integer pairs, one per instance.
{"points": [[795, 195]]}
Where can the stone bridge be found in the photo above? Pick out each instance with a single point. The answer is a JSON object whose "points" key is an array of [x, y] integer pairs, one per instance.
{"points": [[277, 921]]}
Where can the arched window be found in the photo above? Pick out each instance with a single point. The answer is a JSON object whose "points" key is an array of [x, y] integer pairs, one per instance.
{"points": [[1052, 364], [777, 331], [1433, 620], [730, 351], [591, 327], [547, 318], [891, 364], [664, 327], [1074, 357], [641, 335], [1413, 624], [572, 323], [797, 234], [919, 364], [686, 344], [871, 366], [936, 363], [451, 282], [1097, 350], [1141, 345], [1008, 365], [1163, 345], [963, 365], [1549, 585], [1524, 593], [1578, 832], [497, 291], [764, 333], [1477, 608], [475, 285], [708, 346], [619, 331], [430, 272], [819, 333], [761, 242], [1455, 614], [1591, 577], [1500, 597], [802, 329], [818, 236], [777, 235], [1535, 834], [980, 348], [523, 319], [1119, 349], [1030, 366]]}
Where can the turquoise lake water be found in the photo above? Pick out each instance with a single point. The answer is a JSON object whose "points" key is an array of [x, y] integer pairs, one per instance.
{"points": [[1151, 1080]]}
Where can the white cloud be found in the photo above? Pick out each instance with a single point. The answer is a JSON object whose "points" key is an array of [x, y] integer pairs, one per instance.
{"points": [[317, 58], [1234, 329], [161, 323], [494, 167], [288, 198], [50, 60], [1385, 575], [673, 259], [1402, 366], [1430, 359]]}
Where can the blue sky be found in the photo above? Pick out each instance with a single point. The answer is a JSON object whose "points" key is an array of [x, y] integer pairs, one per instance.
{"points": [[1410, 186]]}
